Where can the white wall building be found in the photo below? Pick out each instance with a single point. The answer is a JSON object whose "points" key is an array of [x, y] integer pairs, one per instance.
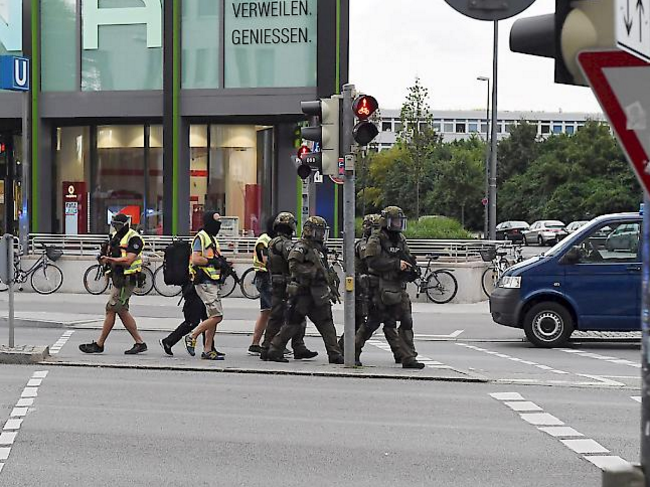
{"points": [[462, 124]]}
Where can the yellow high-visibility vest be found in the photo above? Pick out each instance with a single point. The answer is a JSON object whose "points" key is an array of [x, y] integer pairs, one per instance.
{"points": [[136, 266], [206, 241], [264, 241]]}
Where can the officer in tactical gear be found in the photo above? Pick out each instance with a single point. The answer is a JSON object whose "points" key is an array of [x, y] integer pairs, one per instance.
{"points": [[279, 248], [390, 261], [310, 291], [366, 287]]}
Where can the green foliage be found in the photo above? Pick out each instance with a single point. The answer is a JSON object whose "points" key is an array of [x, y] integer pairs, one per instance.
{"points": [[438, 227]]}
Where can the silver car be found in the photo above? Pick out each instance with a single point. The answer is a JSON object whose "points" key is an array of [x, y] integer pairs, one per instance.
{"points": [[544, 232], [573, 226]]}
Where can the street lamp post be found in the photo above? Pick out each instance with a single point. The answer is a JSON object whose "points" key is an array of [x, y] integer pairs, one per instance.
{"points": [[487, 156]]}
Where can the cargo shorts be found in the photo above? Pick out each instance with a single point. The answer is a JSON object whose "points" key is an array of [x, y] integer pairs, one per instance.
{"points": [[119, 298], [211, 297]]}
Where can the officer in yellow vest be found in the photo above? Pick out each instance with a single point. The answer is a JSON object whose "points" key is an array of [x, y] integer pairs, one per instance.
{"points": [[126, 271], [206, 264], [263, 284]]}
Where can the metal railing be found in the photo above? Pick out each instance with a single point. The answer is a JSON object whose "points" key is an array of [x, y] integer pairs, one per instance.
{"points": [[89, 245]]}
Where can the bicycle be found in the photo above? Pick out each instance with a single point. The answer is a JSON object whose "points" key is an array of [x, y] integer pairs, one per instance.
{"points": [[246, 283], [439, 285], [96, 279], [498, 265], [48, 281]]}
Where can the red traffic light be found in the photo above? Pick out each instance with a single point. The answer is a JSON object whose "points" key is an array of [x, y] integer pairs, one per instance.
{"points": [[364, 106], [2, 147], [302, 151]]}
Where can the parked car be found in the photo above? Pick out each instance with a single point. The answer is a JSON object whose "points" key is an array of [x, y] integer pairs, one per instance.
{"points": [[573, 226], [545, 232], [623, 238], [577, 285], [512, 230]]}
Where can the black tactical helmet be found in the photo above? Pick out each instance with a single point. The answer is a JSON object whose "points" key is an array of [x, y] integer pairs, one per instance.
{"points": [[287, 220], [315, 228], [393, 219], [370, 222]]}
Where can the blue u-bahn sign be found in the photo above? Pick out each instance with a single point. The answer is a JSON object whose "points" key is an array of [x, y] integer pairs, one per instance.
{"points": [[14, 73]]}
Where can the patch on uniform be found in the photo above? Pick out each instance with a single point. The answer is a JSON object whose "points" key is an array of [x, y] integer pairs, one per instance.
{"points": [[136, 245]]}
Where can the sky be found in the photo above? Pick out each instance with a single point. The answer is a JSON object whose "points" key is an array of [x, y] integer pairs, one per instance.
{"points": [[393, 41]]}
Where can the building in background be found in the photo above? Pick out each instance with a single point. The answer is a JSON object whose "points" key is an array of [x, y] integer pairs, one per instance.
{"points": [[461, 124], [162, 109]]}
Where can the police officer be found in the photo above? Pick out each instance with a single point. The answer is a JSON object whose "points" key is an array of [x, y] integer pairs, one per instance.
{"points": [[366, 287], [309, 292], [279, 248], [125, 261], [390, 261]]}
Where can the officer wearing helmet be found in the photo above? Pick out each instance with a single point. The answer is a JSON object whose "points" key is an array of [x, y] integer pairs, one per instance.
{"points": [[389, 259], [310, 294], [279, 248], [366, 289]]}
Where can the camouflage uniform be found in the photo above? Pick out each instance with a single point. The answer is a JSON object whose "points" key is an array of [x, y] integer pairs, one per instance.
{"points": [[385, 250], [278, 266], [309, 292]]}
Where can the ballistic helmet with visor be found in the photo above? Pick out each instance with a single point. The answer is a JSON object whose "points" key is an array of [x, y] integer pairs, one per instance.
{"points": [[285, 221], [393, 219], [315, 228], [119, 221], [370, 222]]}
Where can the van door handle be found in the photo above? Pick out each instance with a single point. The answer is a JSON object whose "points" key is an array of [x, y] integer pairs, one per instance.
{"points": [[634, 268]]}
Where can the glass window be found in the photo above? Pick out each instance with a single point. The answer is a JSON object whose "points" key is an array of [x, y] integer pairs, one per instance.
{"points": [[200, 31], [546, 129], [448, 127], [121, 57], [231, 186], [570, 129], [270, 44], [386, 126], [484, 128], [72, 173], [436, 127], [557, 129], [398, 126], [422, 126], [509, 127], [611, 244], [11, 27], [473, 128], [499, 128], [59, 45]]}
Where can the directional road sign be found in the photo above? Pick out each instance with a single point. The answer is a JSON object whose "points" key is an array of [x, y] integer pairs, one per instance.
{"points": [[633, 27], [620, 82], [490, 9]]}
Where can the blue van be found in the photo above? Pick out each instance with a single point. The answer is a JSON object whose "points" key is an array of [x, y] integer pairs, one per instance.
{"points": [[591, 280]]}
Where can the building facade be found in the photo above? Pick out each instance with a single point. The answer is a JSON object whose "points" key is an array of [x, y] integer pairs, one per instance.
{"points": [[463, 124], [161, 109]]}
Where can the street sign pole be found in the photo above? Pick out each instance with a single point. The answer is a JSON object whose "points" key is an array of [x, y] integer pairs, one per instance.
{"points": [[492, 198], [348, 228], [25, 186], [7, 276]]}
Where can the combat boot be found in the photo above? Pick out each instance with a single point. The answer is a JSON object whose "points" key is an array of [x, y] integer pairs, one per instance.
{"points": [[336, 359], [275, 356], [264, 354], [411, 363], [304, 354]]}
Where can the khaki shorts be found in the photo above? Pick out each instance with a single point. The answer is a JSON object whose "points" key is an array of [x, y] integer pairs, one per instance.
{"points": [[209, 294], [119, 298]]}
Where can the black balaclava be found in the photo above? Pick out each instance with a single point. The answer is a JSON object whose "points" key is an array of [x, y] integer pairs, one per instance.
{"points": [[211, 225], [269, 226], [124, 220]]}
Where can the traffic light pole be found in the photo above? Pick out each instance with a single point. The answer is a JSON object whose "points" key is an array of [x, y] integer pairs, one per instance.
{"points": [[348, 228], [493, 151], [645, 346]]}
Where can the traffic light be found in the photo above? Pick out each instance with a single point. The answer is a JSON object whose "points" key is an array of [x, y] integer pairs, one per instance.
{"points": [[576, 25], [304, 169], [364, 131], [326, 133]]}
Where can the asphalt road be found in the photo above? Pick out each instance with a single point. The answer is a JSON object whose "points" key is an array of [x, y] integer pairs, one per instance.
{"points": [[110, 427]]}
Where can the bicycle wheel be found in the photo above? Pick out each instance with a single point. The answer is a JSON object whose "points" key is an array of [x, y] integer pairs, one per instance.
{"points": [[95, 281], [488, 280], [441, 287], [228, 286], [47, 279], [247, 284], [162, 288], [148, 283]]}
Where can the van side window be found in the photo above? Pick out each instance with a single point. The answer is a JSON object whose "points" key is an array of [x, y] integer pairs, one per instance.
{"points": [[612, 244]]}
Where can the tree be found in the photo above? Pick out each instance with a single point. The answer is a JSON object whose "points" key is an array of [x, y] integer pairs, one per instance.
{"points": [[518, 151], [417, 135]]}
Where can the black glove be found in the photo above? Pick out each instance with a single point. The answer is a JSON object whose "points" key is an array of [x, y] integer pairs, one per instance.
{"points": [[218, 263]]}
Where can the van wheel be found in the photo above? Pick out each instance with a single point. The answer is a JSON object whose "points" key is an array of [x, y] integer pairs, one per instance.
{"points": [[548, 325]]}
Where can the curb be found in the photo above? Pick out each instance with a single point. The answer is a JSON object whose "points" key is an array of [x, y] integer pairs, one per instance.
{"points": [[347, 375], [23, 355]]}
